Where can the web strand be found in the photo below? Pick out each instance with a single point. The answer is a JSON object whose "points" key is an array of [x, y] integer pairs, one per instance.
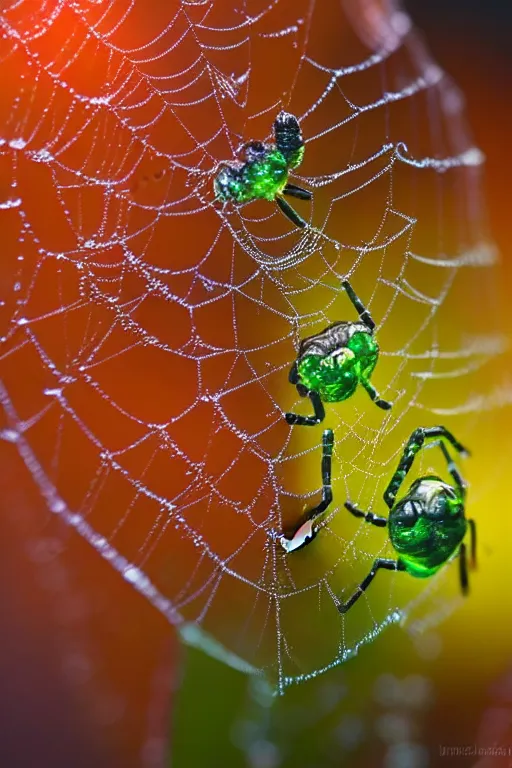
{"points": [[155, 327]]}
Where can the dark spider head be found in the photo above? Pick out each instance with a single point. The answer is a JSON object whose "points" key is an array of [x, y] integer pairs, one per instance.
{"points": [[439, 501], [431, 499], [254, 151], [428, 523], [228, 183], [407, 512], [288, 137], [285, 121]]}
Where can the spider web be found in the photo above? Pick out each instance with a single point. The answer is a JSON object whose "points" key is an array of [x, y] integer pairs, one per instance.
{"points": [[147, 331]]}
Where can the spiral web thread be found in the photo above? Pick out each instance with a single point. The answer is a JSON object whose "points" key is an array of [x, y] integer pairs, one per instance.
{"points": [[106, 140]]}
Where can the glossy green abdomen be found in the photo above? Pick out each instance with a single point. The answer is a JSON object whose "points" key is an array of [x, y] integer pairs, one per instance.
{"points": [[429, 543], [366, 351], [263, 179], [335, 376], [296, 158]]}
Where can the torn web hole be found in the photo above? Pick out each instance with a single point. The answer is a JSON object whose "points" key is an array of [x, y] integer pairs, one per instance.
{"points": [[147, 331]]}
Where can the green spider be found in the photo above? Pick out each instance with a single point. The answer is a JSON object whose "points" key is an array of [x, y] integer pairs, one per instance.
{"points": [[332, 363], [427, 525], [264, 174]]}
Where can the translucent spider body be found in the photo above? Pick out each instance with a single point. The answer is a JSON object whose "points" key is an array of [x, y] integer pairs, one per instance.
{"points": [[331, 364], [428, 524], [264, 174]]}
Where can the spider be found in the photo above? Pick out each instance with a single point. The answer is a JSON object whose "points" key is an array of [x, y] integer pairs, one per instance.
{"points": [[264, 174], [331, 364], [427, 525]]}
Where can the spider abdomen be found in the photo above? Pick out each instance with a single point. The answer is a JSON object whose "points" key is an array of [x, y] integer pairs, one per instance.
{"points": [[333, 362], [262, 178], [427, 526], [334, 378], [266, 178]]}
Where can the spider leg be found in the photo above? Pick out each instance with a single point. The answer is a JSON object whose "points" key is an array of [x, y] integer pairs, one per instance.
{"points": [[413, 445], [305, 533], [472, 534], [327, 445], [374, 395], [461, 486], [463, 569], [293, 374], [290, 213], [390, 565], [443, 432], [367, 319], [318, 408], [361, 310], [452, 468], [293, 190], [381, 522]]}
